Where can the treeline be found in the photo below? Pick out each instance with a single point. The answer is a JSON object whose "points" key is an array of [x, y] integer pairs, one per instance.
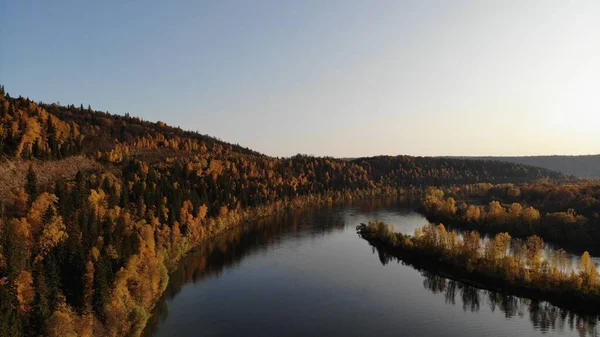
{"points": [[437, 171], [564, 213], [61, 131], [584, 166], [29, 131], [524, 272], [89, 254]]}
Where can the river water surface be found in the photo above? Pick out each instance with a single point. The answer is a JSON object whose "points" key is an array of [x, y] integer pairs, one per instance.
{"points": [[307, 273]]}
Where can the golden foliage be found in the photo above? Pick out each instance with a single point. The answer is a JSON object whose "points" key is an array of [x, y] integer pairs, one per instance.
{"points": [[62, 323], [136, 286], [588, 271], [531, 216], [98, 201], [513, 192], [473, 214], [94, 254], [496, 213], [37, 210], [202, 212], [19, 198], [31, 133], [501, 243], [25, 291], [535, 246], [21, 230], [53, 233]]}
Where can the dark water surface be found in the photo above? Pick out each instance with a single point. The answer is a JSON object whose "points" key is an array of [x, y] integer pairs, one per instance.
{"points": [[307, 273]]}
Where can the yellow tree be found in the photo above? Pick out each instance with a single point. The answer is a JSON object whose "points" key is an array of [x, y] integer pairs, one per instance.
{"points": [[496, 213], [442, 237], [21, 243], [560, 261], [501, 243], [513, 192], [588, 271], [515, 213], [37, 210], [530, 217], [25, 291], [62, 322], [535, 246], [31, 133], [449, 207], [99, 202], [53, 234], [471, 246], [473, 214], [433, 200]]}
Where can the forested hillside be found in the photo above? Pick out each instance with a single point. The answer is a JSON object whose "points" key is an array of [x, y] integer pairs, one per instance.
{"points": [[580, 166], [95, 208]]}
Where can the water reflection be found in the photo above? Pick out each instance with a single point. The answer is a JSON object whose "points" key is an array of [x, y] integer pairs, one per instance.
{"points": [[230, 248], [542, 315], [307, 273]]}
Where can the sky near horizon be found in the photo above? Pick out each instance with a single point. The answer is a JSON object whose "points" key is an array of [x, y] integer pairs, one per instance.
{"points": [[341, 77]]}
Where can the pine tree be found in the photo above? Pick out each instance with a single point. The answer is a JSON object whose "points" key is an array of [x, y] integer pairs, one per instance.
{"points": [[52, 141], [31, 184], [52, 277], [41, 305], [101, 287], [10, 323]]}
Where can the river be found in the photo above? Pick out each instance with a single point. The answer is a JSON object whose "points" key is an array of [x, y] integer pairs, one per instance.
{"points": [[307, 273]]}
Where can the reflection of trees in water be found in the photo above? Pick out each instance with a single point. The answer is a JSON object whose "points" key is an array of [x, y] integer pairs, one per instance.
{"points": [[543, 315], [230, 248], [470, 296], [384, 257], [375, 205]]}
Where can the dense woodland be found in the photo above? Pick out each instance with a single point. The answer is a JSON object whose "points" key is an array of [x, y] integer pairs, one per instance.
{"points": [[88, 251], [585, 166], [564, 213]]}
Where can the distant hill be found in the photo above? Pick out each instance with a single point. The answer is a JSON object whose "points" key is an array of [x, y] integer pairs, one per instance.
{"points": [[587, 166]]}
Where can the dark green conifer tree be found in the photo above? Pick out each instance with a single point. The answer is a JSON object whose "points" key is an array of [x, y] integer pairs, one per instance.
{"points": [[31, 184]]}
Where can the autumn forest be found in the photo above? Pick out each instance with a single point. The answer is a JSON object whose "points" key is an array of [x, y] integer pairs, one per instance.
{"points": [[96, 210]]}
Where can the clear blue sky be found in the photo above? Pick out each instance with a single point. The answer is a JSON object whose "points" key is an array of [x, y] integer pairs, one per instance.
{"points": [[335, 77]]}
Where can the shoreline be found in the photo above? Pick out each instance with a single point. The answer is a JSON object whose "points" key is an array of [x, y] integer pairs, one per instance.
{"points": [[258, 214]]}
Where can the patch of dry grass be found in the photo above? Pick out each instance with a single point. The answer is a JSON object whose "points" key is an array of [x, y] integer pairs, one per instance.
{"points": [[13, 171]]}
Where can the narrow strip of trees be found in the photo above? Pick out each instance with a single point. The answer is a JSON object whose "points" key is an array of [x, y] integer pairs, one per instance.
{"points": [[525, 269], [562, 213]]}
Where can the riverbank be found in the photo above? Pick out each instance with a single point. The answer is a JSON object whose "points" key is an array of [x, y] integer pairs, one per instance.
{"points": [[567, 292], [223, 223]]}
